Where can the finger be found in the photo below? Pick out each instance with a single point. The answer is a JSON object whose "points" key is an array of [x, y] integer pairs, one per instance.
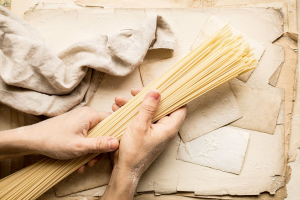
{"points": [[121, 101], [148, 108], [92, 162], [97, 117], [135, 91], [175, 119], [99, 144], [94, 116], [81, 169], [115, 107]]}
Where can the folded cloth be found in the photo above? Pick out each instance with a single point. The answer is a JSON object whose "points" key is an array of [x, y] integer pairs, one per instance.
{"points": [[35, 80]]}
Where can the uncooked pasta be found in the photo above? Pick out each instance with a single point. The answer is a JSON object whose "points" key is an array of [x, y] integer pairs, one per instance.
{"points": [[222, 57]]}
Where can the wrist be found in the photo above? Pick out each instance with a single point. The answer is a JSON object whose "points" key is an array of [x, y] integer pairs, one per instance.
{"points": [[128, 173], [122, 184], [29, 139], [15, 142]]}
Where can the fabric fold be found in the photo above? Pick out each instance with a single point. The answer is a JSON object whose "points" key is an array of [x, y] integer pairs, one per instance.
{"points": [[35, 80]]}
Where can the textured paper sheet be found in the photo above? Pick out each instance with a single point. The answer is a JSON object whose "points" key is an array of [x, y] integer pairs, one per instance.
{"points": [[162, 197], [286, 7], [112, 86], [292, 186], [287, 82], [95, 192], [257, 165], [295, 124], [50, 195], [209, 112], [292, 12], [260, 77], [263, 161], [91, 194], [267, 67], [280, 195], [274, 78], [260, 109], [277, 63], [92, 177], [223, 149]]}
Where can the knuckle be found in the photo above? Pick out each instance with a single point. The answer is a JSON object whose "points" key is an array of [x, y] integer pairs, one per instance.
{"points": [[79, 147], [149, 108], [99, 144]]}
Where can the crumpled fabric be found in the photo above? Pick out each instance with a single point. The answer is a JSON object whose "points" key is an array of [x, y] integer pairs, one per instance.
{"points": [[34, 80]]}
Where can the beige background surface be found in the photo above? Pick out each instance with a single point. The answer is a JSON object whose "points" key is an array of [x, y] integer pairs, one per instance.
{"points": [[160, 181], [25, 4]]}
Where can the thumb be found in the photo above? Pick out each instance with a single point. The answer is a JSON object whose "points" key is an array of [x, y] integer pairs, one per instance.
{"points": [[148, 108], [101, 144]]}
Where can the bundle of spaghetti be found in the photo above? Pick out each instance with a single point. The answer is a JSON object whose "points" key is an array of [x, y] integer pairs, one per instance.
{"points": [[222, 57]]}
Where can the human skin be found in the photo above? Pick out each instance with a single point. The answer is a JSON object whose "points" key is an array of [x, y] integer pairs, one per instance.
{"points": [[65, 137], [141, 144], [61, 137]]}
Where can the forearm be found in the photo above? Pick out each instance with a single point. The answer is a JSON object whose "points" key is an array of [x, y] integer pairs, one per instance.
{"points": [[15, 142], [122, 185]]}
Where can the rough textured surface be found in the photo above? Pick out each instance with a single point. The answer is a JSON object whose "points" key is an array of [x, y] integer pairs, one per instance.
{"points": [[112, 86], [35, 80], [263, 161], [209, 112], [223, 149], [77, 182], [260, 109]]}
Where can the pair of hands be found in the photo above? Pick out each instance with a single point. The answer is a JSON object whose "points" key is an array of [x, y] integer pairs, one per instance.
{"points": [[65, 136]]}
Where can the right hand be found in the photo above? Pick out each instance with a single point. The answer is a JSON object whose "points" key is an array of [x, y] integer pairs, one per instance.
{"points": [[143, 141]]}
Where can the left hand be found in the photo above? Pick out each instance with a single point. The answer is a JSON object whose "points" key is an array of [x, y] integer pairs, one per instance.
{"points": [[65, 136]]}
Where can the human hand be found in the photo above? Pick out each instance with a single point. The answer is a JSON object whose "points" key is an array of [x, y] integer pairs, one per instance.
{"points": [[141, 144], [142, 141], [65, 136]]}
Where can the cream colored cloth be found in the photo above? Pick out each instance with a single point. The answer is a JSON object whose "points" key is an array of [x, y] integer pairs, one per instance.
{"points": [[35, 80]]}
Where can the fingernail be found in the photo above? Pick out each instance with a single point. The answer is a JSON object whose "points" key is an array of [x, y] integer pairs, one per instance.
{"points": [[113, 144], [154, 94]]}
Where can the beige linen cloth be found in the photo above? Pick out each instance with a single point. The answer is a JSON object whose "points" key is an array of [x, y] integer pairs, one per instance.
{"points": [[35, 80]]}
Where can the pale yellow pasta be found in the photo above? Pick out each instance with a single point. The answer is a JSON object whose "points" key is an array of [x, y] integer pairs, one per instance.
{"points": [[219, 59]]}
